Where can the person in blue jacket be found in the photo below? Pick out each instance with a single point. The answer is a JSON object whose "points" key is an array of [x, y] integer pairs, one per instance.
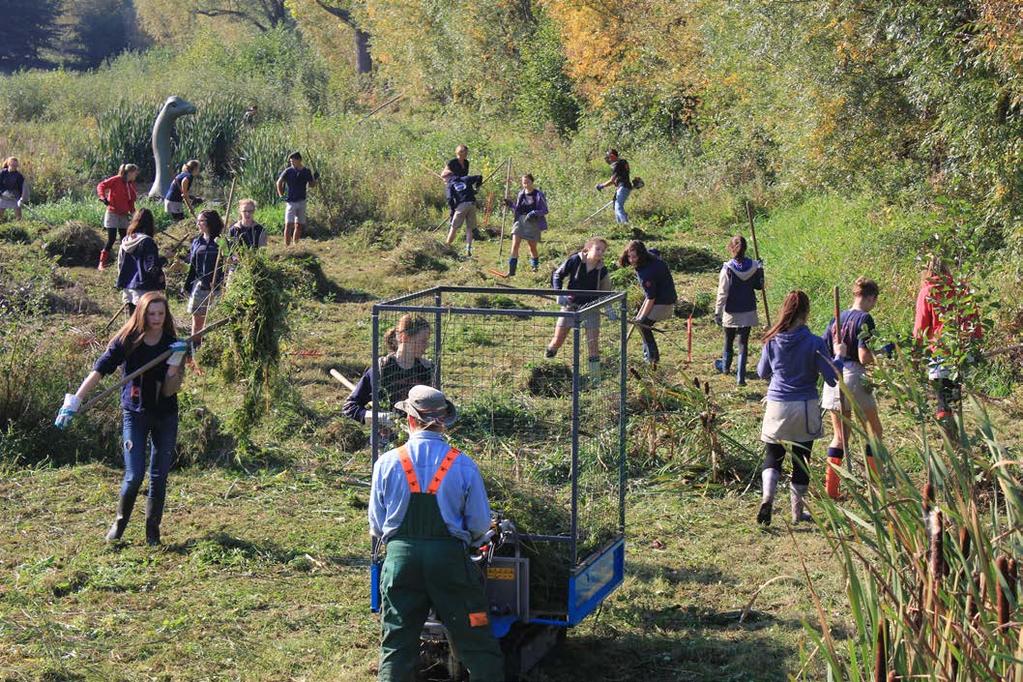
{"points": [[658, 286], [139, 263], [149, 406], [461, 195], [736, 306], [403, 367], [179, 194], [530, 220], [428, 505], [205, 271], [792, 358]]}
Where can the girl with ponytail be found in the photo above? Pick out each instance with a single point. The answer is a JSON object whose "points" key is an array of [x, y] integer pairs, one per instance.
{"points": [[118, 192]]}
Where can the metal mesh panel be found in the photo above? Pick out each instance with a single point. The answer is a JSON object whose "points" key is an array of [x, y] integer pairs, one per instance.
{"points": [[547, 433]]}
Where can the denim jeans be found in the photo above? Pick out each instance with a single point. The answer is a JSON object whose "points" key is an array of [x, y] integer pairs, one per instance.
{"points": [[726, 353], [141, 428], [621, 194]]}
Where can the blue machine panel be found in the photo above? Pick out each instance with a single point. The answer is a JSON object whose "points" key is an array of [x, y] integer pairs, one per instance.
{"points": [[594, 582]]}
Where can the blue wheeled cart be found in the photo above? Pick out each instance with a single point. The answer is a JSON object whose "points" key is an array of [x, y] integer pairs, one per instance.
{"points": [[548, 434]]}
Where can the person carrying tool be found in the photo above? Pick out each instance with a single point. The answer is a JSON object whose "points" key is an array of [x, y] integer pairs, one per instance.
{"points": [[149, 406], [620, 178], [582, 271], [856, 328], [139, 263], [530, 220], [402, 368], [205, 271], [792, 357], [179, 194], [658, 286], [291, 186], [428, 505], [736, 305], [13, 188], [118, 193], [938, 306]]}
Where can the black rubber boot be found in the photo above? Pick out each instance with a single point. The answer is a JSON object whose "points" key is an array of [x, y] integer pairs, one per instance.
{"points": [[154, 514], [513, 265], [124, 506]]}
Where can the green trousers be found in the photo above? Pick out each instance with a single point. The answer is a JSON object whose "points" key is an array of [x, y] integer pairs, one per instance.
{"points": [[420, 572]]}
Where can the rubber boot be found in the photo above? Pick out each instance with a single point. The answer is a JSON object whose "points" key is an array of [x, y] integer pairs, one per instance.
{"points": [[769, 478], [125, 504], [513, 264], [534, 263], [798, 495], [740, 374], [154, 515], [594, 371], [104, 258], [832, 480]]}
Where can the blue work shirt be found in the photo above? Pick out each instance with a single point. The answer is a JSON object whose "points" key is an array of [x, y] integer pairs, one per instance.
{"points": [[462, 498]]}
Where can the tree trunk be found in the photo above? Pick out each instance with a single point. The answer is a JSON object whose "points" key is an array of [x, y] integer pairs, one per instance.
{"points": [[363, 58]]}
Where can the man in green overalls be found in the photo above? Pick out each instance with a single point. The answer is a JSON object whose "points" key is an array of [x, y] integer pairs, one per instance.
{"points": [[427, 532]]}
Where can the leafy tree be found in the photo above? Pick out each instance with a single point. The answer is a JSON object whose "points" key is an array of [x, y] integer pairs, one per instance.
{"points": [[29, 29], [546, 94], [98, 30]]}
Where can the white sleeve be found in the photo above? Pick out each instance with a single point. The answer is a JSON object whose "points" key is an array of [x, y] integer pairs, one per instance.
{"points": [[723, 286]]}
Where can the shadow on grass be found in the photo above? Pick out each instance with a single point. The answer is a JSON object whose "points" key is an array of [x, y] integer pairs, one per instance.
{"points": [[224, 549]]}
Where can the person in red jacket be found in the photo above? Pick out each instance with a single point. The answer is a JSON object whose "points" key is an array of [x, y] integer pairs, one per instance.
{"points": [[118, 192], [937, 305]]}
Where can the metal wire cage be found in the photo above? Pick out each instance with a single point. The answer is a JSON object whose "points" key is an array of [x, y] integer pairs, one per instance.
{"points": [[548, 434]]}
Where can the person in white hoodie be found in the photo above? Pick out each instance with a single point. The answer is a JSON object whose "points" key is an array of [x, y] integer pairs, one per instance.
{"points": [[139, 263], [736, 306]]}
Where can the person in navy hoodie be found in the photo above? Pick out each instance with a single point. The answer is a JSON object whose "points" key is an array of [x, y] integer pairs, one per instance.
{"points": [[582, 271], [205, 272], [659, 293], [139, 263], [461, 195], [179, 194], [13, 188], [530, 216], [791, 359], [736, 307], [149, 405]]}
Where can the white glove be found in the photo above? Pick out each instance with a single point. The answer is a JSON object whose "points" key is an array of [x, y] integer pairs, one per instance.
{"points": [[531, 215], [840, 350], [178, 351], [564, 300], [67, 411], [385, 419]]}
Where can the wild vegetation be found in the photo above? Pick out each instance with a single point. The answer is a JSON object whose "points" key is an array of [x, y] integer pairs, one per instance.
{"points": [[867, 134]]}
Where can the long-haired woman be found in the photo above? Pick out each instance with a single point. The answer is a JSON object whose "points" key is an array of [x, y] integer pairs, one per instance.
{"points": [[149, 406], [118, 192], [736, 305], [658, 286], [13, 187], [179, 194], [791, 359], [139, 263], [530, 215]]}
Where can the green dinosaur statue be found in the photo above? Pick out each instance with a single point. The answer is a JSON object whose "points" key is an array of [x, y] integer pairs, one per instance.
{"points": [[163, 129]]}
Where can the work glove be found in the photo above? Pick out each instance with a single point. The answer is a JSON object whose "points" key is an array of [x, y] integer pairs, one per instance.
{"points": [[718, 320], [178, 351], [316, 176], [564, 300], [67, 411], [643, 321], [599, 186], [384, 419]]}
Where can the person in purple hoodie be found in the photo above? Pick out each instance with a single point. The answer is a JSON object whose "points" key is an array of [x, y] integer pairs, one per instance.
{"points": [[736, 308], [139, 263], [530, 215], [791, 359]]}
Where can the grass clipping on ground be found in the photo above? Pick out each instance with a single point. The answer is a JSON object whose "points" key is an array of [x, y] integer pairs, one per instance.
{"points": [[259, 296]]}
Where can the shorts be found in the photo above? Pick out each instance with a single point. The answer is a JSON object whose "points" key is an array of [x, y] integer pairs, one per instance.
{"points": [[464, 213], [9, 203], [200, 300], [855, 377], [294, 212], [116, 221], [174, 207], [591, 318], [526, 229], [132, 295], [792, 421]]}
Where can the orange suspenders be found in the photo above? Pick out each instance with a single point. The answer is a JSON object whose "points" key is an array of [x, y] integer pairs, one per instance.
{"points": [[410, 472]]}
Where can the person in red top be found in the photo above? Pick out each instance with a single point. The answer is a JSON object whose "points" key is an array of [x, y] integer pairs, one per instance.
{"points": [[118, 192], [936, 305]]}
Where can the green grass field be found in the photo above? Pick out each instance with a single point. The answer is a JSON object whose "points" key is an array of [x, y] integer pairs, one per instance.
{"points": [[264, 570]]}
